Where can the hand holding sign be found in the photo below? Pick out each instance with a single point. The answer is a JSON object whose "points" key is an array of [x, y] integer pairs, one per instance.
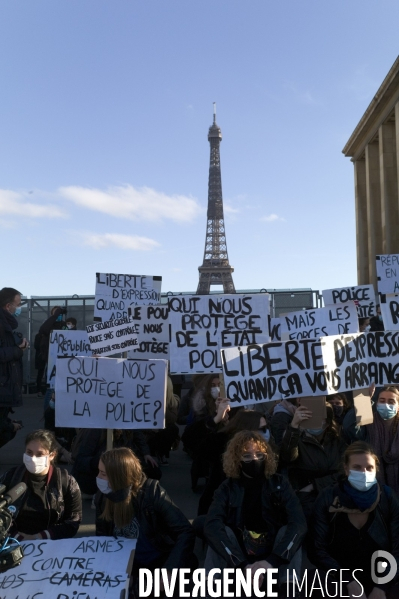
{"points": [[301, 415], [223, 409]]}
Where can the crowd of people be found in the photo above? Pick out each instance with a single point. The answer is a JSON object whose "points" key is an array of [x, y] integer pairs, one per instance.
{"points": [[275, 494]]}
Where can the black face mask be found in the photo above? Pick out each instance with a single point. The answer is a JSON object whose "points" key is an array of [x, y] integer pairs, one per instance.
{"points": [[338, 411], [254, 468], [118, 496]]}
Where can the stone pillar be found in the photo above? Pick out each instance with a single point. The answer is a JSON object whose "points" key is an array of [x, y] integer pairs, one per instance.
{"points": [[397, 155], [389, 188], [373, 187], [361, 223]]}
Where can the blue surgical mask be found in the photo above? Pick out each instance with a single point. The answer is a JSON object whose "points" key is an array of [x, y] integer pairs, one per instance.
{"points": [[103, 486], [59, 318], [315, 431], [380, 317], [51, 404], [362, 481], [387, 411], [18, 311]]}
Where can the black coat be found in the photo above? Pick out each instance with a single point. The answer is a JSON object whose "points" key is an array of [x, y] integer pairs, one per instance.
{"points": [[162, 523], [48, 325], [279, 503], [384, 529], [10, 362]]}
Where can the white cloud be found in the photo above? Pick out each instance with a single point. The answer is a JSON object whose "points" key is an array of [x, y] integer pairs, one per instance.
{"points": [[271, 218], [100, 241], [14, 203], [134, 204], [228, 209]]}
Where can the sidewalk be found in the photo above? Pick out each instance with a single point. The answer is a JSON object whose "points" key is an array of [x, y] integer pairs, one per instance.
{"points": [[175, 477]]}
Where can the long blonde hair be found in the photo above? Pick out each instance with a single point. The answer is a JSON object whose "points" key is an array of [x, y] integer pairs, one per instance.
{"points": [[123, 470]]}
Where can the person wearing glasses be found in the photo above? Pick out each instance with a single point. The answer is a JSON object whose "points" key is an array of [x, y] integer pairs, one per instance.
{"points": [[255, 520]]}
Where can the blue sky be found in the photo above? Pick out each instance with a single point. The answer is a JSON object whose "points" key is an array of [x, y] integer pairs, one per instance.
{"points": [[104, 114]]}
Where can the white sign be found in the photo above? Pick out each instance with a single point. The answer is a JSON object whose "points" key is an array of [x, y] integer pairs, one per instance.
{"points": [[110, 393], [275, 329], [320, 322], [305, 367], [94, 568], [112, 337], [116, 293], [387, 266], [152, 324], [65, 343], [202, 324], [389, 305], [362, 295]]}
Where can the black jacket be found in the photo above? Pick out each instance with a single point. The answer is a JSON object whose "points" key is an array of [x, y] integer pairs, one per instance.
{"points": [[384, 530], [311, 462], [10, 362], [63, 500], [49, 325], [160, 521], [279, 503]]}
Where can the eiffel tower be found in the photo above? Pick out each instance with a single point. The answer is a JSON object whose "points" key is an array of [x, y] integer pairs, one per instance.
{"points": [[215, 269]]}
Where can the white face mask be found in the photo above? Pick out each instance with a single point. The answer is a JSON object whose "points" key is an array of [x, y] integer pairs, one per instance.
{"points": [[215, 392], [69, 325], [362, 481], [103, 486], [35, 465]]}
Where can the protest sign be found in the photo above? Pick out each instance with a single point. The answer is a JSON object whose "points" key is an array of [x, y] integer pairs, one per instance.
{"points": [[65, 343], [202, 324], [97, 568], [275, 329], [110, 393], [389, 305], [317, 405], [363, 409], [362, 295], [387, 267], [304, 367], [152, 324], [320, 322], [112, 337], [116, 293]]}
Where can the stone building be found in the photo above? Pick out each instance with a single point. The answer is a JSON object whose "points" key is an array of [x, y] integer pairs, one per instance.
{"points": [[374, 150]]}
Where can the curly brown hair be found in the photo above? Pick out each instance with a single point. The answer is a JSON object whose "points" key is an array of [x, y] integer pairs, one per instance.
{"points": [[236, 447]]}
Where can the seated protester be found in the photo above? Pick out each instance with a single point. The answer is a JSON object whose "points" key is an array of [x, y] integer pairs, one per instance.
{"points": [[161, 441], [382, 434], [376, 323], [131, 506], [214, 446], [255, 520], [340, 406], [351, 520], [313, 456], [91, 443], [283, 414], [51, 507]]}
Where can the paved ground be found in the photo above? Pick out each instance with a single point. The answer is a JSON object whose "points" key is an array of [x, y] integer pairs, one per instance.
{"points": [[175, 477]]}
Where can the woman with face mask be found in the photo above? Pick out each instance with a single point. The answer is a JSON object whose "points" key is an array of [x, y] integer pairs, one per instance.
{"points": [[312, 456], [131, 506], [353, 519], [382, 434], [255, 520], [340, 406], [51, 507]]}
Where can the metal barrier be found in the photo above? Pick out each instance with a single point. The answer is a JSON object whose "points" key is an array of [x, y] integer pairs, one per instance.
{"points": [[37, 309]]}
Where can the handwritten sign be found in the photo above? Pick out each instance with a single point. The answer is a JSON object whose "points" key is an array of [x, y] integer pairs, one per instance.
{"points": [[112, 337], [95, 568], [387, 267], [362, 295], [65, 343], [110, 393], [275, 329], [305, 367], [320, 322], [116, 293], [390, 311], [202, 324], [152, 324]]}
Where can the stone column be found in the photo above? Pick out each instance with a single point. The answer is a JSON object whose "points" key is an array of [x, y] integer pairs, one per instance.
{"points": [[397, 151], [373, 187], [361, 223], [389, 188]]}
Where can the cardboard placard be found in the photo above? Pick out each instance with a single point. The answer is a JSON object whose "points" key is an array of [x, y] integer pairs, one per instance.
{"points": [[387, 267], [362, 295], [363, 407], [320, 322], [112, 337], [116, 293], [152, 324], [317, 405], [65, 343], [275, 329], [389, 305]]}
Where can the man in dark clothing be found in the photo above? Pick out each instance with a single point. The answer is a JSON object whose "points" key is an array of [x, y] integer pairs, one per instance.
{"points": [[54, 323], [376, 323], [12, 348]]}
